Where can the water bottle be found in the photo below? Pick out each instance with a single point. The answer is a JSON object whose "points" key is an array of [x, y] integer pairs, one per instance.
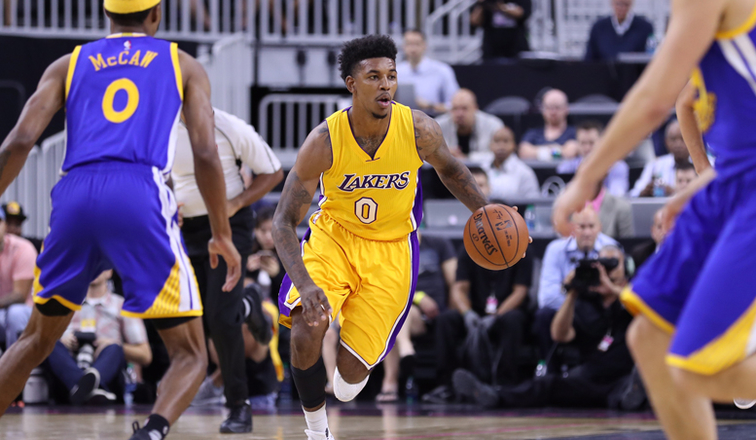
{"points": [[530, 218], [651, 44], [131, 385], [658, 186], [541, 369]]}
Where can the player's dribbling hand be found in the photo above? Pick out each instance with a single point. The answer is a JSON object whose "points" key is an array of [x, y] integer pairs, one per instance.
{"points": [[224, 247], [315, 305], [572, 200]]}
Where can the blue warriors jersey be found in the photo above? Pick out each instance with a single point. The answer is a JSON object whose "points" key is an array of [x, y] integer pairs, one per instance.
{"points": [[123, 101], [726, 103]]}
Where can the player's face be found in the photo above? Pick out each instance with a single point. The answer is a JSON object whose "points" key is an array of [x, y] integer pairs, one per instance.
{"points": [[414, 46], [586, 140], [374, 86], [502, 144]]}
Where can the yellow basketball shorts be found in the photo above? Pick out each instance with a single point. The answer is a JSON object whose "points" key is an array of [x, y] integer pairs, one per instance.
{"points": [[370, 282]]}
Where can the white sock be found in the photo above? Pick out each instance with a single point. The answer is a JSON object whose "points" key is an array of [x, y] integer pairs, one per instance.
{"points": [[317, 421], [346, 392]]}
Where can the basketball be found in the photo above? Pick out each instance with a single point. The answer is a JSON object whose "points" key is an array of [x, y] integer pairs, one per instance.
{"points": [[496, 237]]}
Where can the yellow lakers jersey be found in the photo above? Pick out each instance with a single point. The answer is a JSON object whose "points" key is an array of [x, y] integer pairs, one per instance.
{"points": [[374, 198]]}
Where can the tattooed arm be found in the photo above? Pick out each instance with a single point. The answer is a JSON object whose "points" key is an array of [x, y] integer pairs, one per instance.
{"points": [[314, 158], [433, 149], [37, 113]]}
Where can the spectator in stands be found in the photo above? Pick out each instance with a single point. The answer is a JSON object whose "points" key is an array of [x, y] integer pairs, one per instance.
{"points": [[466, 128], [588, 134], [503, 23], [615, 214], [621, 32], [15, 218], [556, 139], [238, 143], [263, 266], [643, 251], [96, 346], [436, 272], [435, 82], [17, 263], [685, 172], [658, 177], [509, 176], [591, 319], [559, 260]]}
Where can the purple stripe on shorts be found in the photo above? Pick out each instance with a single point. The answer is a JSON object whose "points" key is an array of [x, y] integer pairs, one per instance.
{"points": [[415, 249], [417, 207], [286, 283]]}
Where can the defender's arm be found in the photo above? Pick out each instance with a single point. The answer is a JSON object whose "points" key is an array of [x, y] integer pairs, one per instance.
{"points": [[454, 174], [314, 158], [689, 127], [49, 97]]}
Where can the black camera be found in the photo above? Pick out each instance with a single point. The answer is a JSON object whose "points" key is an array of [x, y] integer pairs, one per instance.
{"points": [[587, 274]]}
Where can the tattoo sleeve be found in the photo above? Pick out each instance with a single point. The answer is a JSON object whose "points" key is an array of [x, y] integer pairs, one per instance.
{"points": [[454, 174]]}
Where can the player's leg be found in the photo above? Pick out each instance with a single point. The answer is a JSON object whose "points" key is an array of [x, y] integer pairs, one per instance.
{"points": [[35, 344], [682, 413]]}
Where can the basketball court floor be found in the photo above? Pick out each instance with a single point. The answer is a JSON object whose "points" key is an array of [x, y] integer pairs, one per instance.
{"points": [[364, 421]]}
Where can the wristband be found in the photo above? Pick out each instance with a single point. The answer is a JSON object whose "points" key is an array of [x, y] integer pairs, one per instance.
{"points": [[418, 297]]}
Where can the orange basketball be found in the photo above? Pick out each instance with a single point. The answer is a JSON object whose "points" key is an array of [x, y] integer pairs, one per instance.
{"points": [[496, 237]]}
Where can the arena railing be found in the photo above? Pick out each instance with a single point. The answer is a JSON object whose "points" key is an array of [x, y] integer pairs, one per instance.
{"points": [[228, 64]]}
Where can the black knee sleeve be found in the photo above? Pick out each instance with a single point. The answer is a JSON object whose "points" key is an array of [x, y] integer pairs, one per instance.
{"points": [[311, 384]]}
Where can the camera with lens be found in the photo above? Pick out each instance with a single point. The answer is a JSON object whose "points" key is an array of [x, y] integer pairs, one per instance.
{"points": [[85, 354], [587, 275]]}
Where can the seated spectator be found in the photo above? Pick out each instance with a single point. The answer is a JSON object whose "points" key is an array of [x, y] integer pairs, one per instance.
{"points": [[560, 259], [658, 177], [15, 218], [588, 134], [594, 320], [643, 251], [466, 128], [503, 23], [263, 366], [621, 32], [555, 140], [17, 263], [435, 82], [96, 346], [436, 272], [685, 172], [509, 176], [263, 266], [615, 214]]}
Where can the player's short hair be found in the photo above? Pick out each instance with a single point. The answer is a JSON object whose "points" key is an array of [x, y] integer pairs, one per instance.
{"points": [[355, 51], [133, 19], [591, 124], [684, 165]]}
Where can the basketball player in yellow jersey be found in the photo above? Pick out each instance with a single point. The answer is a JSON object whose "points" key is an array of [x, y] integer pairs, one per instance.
{"points": [[359, 257]]}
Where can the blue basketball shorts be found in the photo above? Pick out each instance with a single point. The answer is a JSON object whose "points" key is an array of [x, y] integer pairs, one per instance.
{"points": [[701, 285], [118, 216]]}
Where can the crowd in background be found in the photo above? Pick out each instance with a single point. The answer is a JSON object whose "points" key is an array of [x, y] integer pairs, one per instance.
{"points": [[548, 331]]}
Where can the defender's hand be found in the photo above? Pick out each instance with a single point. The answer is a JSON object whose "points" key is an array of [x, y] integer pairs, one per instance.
{"points": [[224, 247], [315, 305], [572, 200]]}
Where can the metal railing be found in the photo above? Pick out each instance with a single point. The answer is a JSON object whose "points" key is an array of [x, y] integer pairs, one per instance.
{"points": [[451, 37], [229, 66], [285, 120]]}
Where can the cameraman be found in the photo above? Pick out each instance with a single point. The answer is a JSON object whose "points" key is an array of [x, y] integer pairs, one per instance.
{"points": [[596, 322]]}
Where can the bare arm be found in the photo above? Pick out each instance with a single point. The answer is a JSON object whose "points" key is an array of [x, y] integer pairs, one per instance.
{"points": [[460, 296], [207, 167], [313, 159], [21, 289], [561, 327], [454, 174], [138, 353], [692, 27], [514, 300], [262, 184], [49, 97], [689, 128]]}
